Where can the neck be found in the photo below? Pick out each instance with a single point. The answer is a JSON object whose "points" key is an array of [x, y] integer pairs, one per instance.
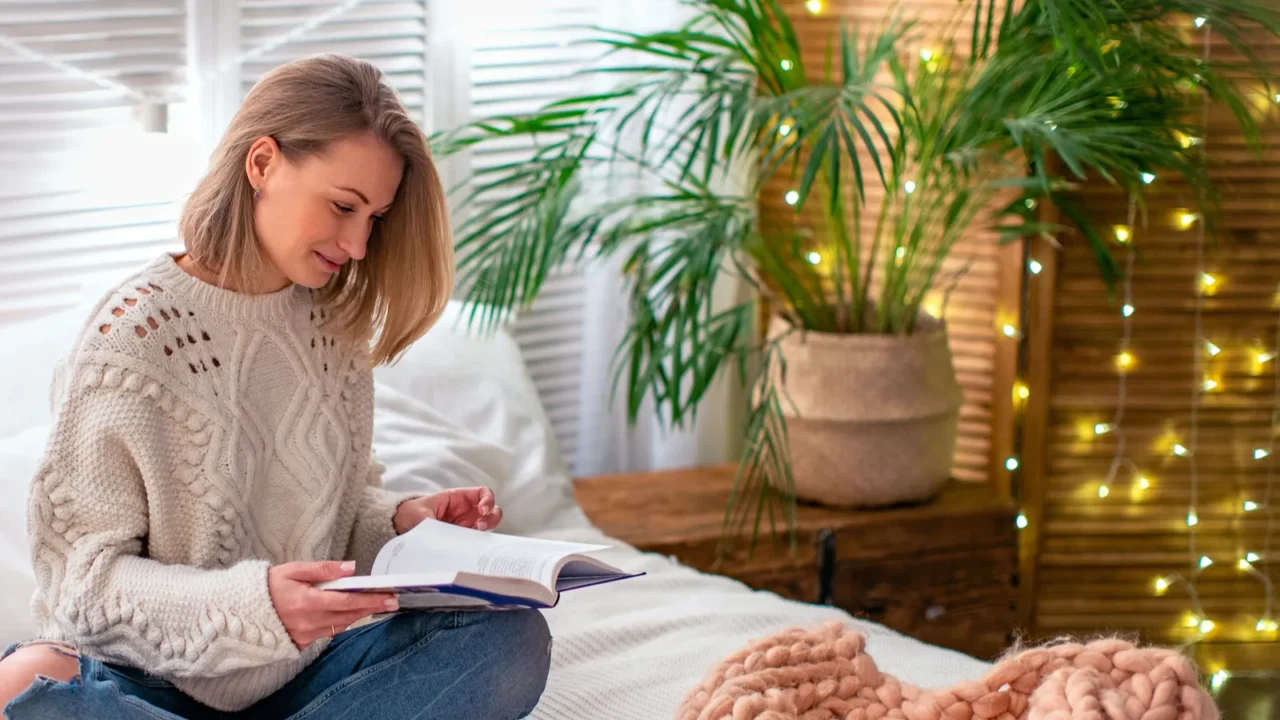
{"points": [[267, 282]]}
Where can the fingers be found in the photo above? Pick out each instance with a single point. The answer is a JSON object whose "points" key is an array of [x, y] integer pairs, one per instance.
{"points": [[317, 572], [474, 507], [492, 520], [330, 601]]}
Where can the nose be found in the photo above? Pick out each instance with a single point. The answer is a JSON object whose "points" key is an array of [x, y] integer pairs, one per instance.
{"points": [[354, 241]]}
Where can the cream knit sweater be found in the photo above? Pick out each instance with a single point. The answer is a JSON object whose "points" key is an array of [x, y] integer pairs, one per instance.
{"points": [[201, 436]]}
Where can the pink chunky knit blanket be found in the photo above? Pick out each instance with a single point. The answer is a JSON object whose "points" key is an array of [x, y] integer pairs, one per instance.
{"points": [[823, 674]]}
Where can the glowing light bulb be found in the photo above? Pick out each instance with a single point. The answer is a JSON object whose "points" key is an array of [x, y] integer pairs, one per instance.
{"points": [[900, 253], [814, 6], [1187, 141], [1104, 490], [1191, 620], [909, 186], [1250, 506], [1148, 178], [784, 129], [1218, 679], [1011, 464], [1162, 584], [1252, 557], [1021, 391], [1213, 349], [1180, 450], [1144, 483], [814, 257], [1206, 626], [1210, 384], [1031, 203], [1123, 233], [1205, 561], [1187, 219], [1124, 360], [1201, 21], [792, 197], [1264, 357], [1127, 311], [1243, 564], [786, 65], [1266, 625], [926, 55], [1101, 428], [1035, 267], [1009, 330], [1207, 281], [1021, 522], [1192, 519], [1259, 453]]}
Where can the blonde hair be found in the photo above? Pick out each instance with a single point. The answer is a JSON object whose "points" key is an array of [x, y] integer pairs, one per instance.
{"points": [[399, 289]]}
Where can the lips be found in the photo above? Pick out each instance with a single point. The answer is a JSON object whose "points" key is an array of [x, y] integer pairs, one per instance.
{"points": [[329, 263]]}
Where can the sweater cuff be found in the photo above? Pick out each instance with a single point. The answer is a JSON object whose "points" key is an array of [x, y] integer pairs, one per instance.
{"points": [[257, 592]]}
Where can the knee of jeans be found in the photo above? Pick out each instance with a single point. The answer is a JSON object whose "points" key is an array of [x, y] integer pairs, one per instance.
{"points": [[34, 668], [530, 643], [52, 659]]}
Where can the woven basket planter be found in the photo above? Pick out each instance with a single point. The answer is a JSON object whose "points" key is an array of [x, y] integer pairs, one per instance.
{"points": [[872, 419]]}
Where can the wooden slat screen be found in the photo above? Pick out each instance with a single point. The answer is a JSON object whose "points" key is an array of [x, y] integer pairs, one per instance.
{"points": [[1099, 557], [973, 313]]}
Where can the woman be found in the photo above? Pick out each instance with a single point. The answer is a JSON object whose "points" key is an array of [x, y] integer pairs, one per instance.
{"points": [[210, 460]]}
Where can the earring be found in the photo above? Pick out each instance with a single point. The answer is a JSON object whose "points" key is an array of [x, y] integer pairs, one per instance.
{"points": [[257, 194]]}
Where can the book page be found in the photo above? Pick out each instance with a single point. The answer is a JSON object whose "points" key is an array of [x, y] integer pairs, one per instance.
{"points": [[436, 546]]}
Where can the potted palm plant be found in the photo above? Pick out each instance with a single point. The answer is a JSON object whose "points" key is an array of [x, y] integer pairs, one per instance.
{"points": [[899, 144]]}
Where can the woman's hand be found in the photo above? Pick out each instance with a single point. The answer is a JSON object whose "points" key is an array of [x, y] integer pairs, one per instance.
{"points": [[310, 614], [472, 507]]}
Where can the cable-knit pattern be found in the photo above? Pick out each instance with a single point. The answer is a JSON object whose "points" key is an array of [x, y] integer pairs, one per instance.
{"points": [[824, 674], [201, 437]]}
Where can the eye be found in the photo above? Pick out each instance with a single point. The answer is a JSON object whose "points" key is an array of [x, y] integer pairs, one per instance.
{"points": [[345, 210], [378, 218]]}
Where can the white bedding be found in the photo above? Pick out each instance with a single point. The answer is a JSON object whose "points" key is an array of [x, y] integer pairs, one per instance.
{"points": [[459, 410]]}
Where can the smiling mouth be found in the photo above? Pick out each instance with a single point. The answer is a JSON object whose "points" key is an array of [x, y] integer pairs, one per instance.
{"points": [[328, 264]]}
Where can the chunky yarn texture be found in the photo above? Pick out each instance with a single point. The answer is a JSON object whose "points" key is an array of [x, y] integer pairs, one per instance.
{"points": [[824, 674], [200, 437]]}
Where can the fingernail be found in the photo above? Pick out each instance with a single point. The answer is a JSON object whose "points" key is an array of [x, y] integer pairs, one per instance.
{"points": [[393, 605], [349, 566]]}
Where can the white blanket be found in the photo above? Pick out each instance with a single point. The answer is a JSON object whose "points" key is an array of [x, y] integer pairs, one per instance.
{"points": [[632, 649]]}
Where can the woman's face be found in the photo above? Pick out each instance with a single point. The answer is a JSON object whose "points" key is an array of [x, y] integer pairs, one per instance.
{"points": [[316, 215]]}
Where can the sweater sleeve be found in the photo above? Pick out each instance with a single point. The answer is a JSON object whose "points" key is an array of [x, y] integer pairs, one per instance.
{"points": [[101, 483]]}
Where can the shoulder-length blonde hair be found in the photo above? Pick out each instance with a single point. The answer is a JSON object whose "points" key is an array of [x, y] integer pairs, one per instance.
{"points": [[399, 289]]}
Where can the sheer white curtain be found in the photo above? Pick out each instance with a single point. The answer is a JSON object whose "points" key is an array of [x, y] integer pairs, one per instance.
{"points": [[607, 441]]}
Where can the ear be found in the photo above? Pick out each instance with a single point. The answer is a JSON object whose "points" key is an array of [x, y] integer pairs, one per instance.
{"points": [[264, 154]]}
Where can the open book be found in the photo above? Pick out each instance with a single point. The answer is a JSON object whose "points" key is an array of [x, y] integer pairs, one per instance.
{"points": [[437, 565]]}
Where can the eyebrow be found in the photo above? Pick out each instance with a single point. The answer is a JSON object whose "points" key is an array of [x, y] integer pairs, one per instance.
{"points": [[357, 192]]}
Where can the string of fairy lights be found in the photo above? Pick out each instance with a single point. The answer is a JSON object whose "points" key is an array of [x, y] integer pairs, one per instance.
{"points": [[1257, 564], [1122, 466]]}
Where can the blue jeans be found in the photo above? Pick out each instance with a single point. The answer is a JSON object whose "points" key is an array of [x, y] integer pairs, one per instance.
{"points": [[418, 665]]}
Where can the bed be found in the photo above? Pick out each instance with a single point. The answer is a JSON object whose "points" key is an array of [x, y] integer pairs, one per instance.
{"points": [[460, 409]]}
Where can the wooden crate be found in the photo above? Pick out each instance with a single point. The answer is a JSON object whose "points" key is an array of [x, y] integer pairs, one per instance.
{"points": [[944, 572]]}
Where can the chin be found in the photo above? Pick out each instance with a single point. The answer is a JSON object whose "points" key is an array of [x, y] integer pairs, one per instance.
{"points": [[306, 277]]}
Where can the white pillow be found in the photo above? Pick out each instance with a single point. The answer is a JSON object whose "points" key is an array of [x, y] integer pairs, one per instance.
{"points": [[19, 459], [479, 384]]}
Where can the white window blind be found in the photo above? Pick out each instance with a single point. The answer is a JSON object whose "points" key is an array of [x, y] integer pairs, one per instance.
{"points": [[390, 34], [519, 59], [82, 197]]}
